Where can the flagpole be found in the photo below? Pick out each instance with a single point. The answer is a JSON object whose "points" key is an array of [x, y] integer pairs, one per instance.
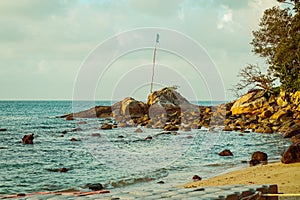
{"points": [[153, 62]]}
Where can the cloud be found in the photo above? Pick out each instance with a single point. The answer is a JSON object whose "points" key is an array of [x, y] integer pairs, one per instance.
{"points": [[53, 37]]}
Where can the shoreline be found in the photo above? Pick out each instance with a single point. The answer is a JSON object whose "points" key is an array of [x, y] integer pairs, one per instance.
{"points": [[286, 176]]}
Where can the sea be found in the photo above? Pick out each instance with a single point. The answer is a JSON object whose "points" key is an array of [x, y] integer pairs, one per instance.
{"points": [[118, 158]]}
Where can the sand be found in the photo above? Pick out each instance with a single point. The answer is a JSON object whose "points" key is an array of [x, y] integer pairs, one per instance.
{"points": [[286, 176]]}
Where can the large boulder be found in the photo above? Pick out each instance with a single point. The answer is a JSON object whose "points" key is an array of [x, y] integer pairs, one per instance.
{"points": [[28, 139], [128, 108], [167, 97], [292, 131], [292, 154], [251, 103], [168, 104]]}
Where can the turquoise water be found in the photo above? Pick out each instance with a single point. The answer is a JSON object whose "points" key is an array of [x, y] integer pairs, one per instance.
{"points": [[117, 158]]}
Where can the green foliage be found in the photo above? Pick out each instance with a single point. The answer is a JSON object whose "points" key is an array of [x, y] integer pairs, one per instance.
{"points": [[278, 41]]}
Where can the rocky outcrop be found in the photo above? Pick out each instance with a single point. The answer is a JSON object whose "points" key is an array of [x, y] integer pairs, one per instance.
{"points": [[28, 139]]}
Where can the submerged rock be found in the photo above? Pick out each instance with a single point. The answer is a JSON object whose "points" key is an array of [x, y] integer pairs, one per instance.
{"points": [[225, 152], [28, 139], [3, 129], [95, 186]]}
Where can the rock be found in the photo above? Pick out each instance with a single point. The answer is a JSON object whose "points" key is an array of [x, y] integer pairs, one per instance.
{"points": [[170, 127], [76, 129], [292, 131], [64, 132], [292, 154], [120, 136], [3, 129], [167, 97], [95, 186], [70, 117], [263, 129], [122, 125], [73, 140], [296, 139], [28, 139], [253, 102], [259, 156], [96, 135], [97, 111], [82, 122], [129, 108], [160, 182], [227, 128], [106, 126], [138, 130], [254, 162], [197, 178], [63, 170], [148, 137], [276, 116], [225, 152], [265, 114]]}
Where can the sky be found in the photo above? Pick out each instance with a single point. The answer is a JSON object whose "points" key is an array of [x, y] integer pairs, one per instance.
{"points": [[64, 50]]}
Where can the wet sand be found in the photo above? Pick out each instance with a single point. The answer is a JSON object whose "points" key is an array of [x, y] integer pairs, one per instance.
{"points": [[286, 176]]}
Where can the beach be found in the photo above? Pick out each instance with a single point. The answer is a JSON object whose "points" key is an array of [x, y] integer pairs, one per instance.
{"points": [[286, 176]]}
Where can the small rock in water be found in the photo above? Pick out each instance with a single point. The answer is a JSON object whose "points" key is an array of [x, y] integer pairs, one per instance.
{"points": [[63, 170], [160, 182], [138, 130], [189, 137], [73, 140], [96, 135], [148, 138], [64, 132], [70, 117], [120, 136], [28, 139], [197, 178], [3, 129], [225, 152], [82, 122], [76, 129], [106, 126], [95, 186]]}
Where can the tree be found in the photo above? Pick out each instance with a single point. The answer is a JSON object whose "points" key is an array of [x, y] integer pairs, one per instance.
{"points": [[252, 78], [278, 41]]}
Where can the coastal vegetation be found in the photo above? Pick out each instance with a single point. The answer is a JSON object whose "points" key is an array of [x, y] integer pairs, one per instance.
{"points": [[277, 40]]}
